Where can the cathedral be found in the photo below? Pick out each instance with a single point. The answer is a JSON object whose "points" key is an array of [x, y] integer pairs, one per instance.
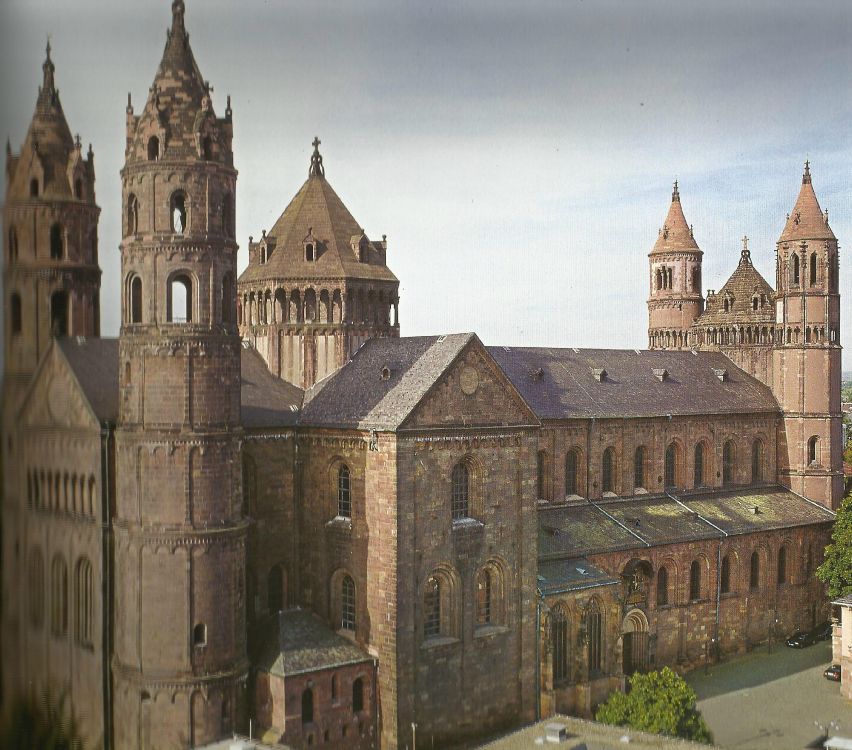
{"points": [[261, 506]]}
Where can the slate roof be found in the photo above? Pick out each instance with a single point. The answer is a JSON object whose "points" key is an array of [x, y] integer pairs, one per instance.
{"points": [[739, 289], [806, 220], [300, 642], [357, 397], [94, 363], [317, 210], [675, 234], [567, 387], [591, 528], [266, 401], [845, 601], [559, 576]]}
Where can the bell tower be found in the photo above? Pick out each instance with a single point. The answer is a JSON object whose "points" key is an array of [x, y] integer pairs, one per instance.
{"points": [[806, 358], [180, 634], [675, 299]]}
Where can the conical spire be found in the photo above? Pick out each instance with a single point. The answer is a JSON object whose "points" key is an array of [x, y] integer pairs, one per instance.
{"points": [[806, 221], [316, 169], [675, 233]]}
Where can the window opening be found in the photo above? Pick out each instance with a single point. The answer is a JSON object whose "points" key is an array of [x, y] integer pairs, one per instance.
{"points": [[559, 637], [307, 706], [59, 314], [725, 583], [180, 307], [344, 493], [461, 491], [593, 628], [347, 604], [754, 571], [16, 314], [728, 462], [694, 581], [571, 473], [607, 469], [358, 695], [782, 565], [56, 243], [670, 468], [483, 597], [136, 300], [432, 608], [698, 478], [199, 635], [639, 467], [34, 188], [662, 587], [178, 213], [153, 148]]}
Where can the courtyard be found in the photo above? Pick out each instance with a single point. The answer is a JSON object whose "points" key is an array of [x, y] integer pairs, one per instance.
{"points": [[763, 700]]}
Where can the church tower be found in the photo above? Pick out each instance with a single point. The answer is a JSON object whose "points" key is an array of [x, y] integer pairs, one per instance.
{"points": [[51, 282], [675, 299], [806, 366], [180, 665]]}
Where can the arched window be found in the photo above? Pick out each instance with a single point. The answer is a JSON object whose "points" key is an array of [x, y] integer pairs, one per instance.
{"points": [[34, 188], [754, 571], [228, 298], [136, 300], [180, 299], [83, 603], [178, 212], [608, 470], [696, 279], [13, 245], [813, 269], [153, 148], [483, 597], [639, 467], [344, 493], [571, 472], [347, 604], [813, 450], [794, 269], [728, 459], [132, 214], [334, 687], [16, 317], [307, 706], [199, 635], [757, 461], [782, 566], [36, 588], [309, 251], [227, 214], [58, 597], [275, 582], [561, 645], [358, 695], [57, 242], [59, 314], [695, 581], [594, 629], [432, 608], [541, 479], [725, 575], [662, 587], [671, 465], [698, 466], [461, 491]]}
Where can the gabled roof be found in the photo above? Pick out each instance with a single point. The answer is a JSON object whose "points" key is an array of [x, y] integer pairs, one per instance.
{"points": [[266, 401], [317, 210], [566, 386], [94, 363], [806, 221], [675, 234], [576, 574], [357, 396]]}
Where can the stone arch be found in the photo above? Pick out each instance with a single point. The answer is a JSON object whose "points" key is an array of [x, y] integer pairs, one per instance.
{"points": [[324, 307], [466, 488], [634, 647], [574, 471], [179, 214], [180, 296], [673, 468], [441, 603], [491, 592], [609, 471], [344, 600]]}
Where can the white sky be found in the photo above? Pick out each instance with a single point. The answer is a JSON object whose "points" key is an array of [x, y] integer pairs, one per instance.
{"points": [[519, 156]]}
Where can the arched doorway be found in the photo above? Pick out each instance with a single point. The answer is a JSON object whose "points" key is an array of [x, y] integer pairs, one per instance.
{"points": [[634, 650]]}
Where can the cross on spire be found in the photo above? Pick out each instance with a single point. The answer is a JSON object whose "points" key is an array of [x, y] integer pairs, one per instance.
{"points": [[745, 255], [317, 169], [675, 193], [806, 177]]}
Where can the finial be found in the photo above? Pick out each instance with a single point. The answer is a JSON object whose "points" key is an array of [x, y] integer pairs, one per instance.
{"points": [[228, 110], [91, 152], [48, 48], [48, 88], [675, 193], [178, 10], [745, 255], [77, 142], [691, 232], [806, 177], [317, 169]]}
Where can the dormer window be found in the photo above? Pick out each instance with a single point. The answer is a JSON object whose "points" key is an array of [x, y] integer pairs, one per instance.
{"points": [[309, 251], [311, 246], [386, 373], [661, 374], [34, 188], [599, 374], [721, 374]]}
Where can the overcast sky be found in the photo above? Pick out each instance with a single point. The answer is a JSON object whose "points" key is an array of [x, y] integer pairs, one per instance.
{"points": [[519, 156]]}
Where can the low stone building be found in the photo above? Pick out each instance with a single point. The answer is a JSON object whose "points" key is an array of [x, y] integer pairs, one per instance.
{"points": [[841, 651]]}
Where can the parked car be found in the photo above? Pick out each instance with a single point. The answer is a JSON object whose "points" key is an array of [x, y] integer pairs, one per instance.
{"points": [[821, 632], [832, 673]]}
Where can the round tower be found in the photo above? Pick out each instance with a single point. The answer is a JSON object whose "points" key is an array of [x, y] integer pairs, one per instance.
{"points": [[806, 358], [675, 299], [180, 634]]}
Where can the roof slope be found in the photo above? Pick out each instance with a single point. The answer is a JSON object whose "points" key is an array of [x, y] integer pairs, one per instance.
{"points": [[357, 397], [94, 363], [806, 221], [266, 401], [317, 211], [676, 234], [739, 290], [561, 383]]}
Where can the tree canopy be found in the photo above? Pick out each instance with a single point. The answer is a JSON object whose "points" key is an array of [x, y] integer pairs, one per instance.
{"points": [[659, 702], [45, 723], [836, 569]]}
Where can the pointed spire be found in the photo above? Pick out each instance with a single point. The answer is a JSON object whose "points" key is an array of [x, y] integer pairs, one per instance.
{"points": [[675, 193], [317, 169], [178, 13], [806, 175], [806, 221], [47, 92], [745, 255], [676, 233]]}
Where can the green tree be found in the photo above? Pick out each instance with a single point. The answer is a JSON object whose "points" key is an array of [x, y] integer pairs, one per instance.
{"points": [[32, 723], [836, 569], [659, 702]]}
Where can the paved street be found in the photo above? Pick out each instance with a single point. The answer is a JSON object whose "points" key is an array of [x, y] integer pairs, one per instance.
{"points": [[771, 701]]}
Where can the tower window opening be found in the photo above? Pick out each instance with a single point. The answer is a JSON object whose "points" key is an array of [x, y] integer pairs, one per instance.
{"points": [[207, 148], [432, 608], [227, 210], [56, 242], [78, 189], [813, 450], [696, 279], [153, 148], [358, 695], [34, 188], [136, 300], [228, 298], [178, 213], [813, 269], [794, 269], [132, 214], [180, 299], [15, 313], [13, 245], [199, 635], [344, 492], [755, 303], [347, 604], [59, 314]]}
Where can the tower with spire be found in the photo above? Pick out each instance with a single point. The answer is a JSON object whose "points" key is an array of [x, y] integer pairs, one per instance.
{"points": [[179, 666], [316, 286], [806, 358], [675, 299]]}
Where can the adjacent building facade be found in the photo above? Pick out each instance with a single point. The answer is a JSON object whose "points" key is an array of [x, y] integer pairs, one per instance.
{"points": [[259, 502]]}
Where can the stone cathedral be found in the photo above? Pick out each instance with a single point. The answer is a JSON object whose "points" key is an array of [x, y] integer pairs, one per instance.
{"points": [[260, 503]]}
